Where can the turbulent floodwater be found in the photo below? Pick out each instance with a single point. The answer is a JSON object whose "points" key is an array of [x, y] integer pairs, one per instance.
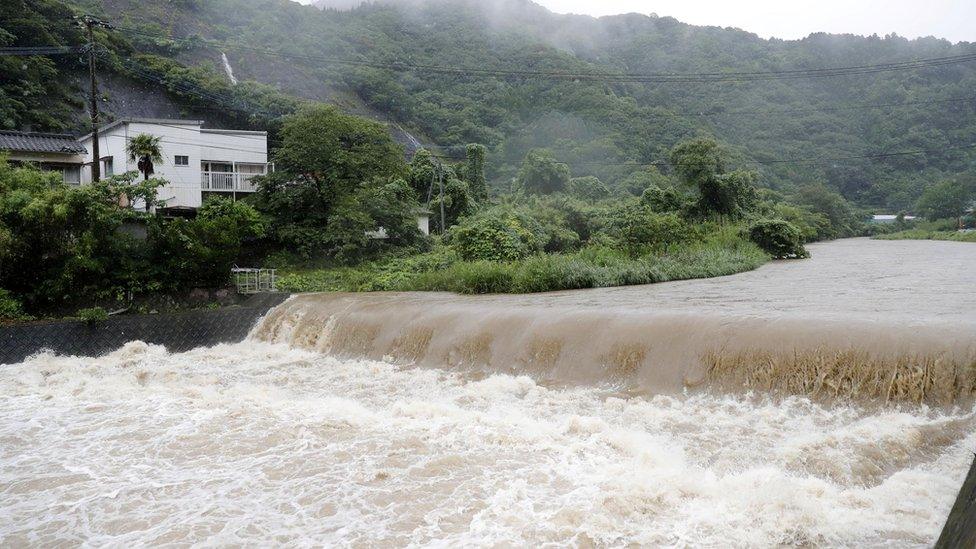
{"points": [[283, 440], [260, 444]]}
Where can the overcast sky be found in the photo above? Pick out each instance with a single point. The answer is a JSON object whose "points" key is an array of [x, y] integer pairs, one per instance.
{"points": [[952, 19]]}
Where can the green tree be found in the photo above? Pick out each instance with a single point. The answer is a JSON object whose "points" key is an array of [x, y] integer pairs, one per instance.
{"points": [[588, 188], [542, 174], [781, 239], [336, 152], [945, 200], [145, 150], [393, 207], [459, 201], [327, 166], [201, 252], [637, 182], [821, 200], [422, 174], [59, 243], [639, 230], [701, 163], [666, 199], [475, 171]]}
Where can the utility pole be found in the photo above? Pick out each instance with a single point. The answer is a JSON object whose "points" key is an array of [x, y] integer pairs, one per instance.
{"points": [[90, 22], [440, 182]]}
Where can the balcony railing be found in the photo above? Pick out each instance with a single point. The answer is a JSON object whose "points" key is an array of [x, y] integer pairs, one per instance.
{"points": [[228, 181]]}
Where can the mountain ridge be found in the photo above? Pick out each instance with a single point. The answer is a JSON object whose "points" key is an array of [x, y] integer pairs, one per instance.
{"points": [[357, 59]]}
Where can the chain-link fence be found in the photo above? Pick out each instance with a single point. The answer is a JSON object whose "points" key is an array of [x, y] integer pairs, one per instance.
{"points": [[176, 331]]}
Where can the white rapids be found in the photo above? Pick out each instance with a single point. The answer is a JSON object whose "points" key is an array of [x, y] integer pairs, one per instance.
{"points": [[260, 444]]}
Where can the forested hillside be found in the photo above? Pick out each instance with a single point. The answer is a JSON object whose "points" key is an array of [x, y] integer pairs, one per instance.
{"points": [[513, 76]]}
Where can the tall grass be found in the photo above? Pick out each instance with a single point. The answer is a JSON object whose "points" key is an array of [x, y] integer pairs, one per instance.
{"points": [[921, 234], [722, 252], [589, 268]]}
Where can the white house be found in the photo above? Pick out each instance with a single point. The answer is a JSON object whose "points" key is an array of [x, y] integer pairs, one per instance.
{"points": [[888, 218], [196, 161]]}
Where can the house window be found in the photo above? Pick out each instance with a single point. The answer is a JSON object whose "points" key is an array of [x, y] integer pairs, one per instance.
{"points": [[107, 168], [182, 160], [72, 175]]}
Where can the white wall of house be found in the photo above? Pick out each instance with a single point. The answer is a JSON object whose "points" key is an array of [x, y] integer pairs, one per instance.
{"points": [[186, 140]]}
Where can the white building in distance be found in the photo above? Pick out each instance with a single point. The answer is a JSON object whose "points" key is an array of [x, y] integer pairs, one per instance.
{"points": [[196, 162]]}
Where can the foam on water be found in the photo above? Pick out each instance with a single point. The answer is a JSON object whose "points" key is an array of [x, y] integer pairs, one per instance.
{"points": [[263, 444]]}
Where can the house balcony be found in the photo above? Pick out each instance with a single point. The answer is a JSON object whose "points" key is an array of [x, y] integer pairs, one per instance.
{"points": [[233, 181], [228, 181]]}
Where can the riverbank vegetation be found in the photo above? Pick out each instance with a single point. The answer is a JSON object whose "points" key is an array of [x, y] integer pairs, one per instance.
{"points": [[592, 267], [947, 208], [922, 234], [66, 247], [340, 213], [551, 231]]}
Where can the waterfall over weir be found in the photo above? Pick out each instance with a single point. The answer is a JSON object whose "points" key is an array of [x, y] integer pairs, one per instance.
{"points": [[863, 320], [644, 351]]}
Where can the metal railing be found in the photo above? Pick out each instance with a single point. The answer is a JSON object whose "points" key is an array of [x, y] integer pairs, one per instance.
{"points": [[228, 181], [253, 281]]}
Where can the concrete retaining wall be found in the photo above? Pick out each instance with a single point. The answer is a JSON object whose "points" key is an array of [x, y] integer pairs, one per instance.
{"points": [[176, 331], [960, 527]]}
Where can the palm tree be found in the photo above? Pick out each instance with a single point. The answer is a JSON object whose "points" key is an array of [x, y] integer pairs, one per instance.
{"points": [[145, 149]]}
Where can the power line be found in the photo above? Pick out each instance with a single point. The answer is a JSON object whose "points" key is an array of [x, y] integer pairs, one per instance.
{"points": [[204, 145], [878, 156], [228, 102], [809, 160], [704, 114], [31, 51], [204, 94], [39, 50], [609, 77]]}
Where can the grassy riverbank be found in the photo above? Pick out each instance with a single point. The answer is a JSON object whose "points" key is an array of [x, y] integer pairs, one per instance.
{"points": [[921, 234], [592, 267]]}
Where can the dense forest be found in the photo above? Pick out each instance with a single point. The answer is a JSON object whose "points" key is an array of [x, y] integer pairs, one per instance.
{"points": [[848, 132]]}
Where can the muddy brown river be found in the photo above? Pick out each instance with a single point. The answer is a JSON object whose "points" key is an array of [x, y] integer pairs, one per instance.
{"points": [[665, 415]]}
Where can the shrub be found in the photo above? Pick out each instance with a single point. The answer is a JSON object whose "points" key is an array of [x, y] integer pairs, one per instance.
{"points": [[494, 236], [476, 277], [664, 199], [779, 238], [10, 307], [812, 226], [638, 229], [92, 315]]}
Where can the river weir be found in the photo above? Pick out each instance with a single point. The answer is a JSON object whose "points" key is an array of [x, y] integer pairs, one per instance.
{"points": [[864, 320], [817, 403]]}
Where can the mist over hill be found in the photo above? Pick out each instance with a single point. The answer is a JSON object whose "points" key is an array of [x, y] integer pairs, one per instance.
{"points": [[494, 84], [338, 4]]}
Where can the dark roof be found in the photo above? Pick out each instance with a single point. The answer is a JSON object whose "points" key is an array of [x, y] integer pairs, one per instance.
{"points": [[40, 142]]}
